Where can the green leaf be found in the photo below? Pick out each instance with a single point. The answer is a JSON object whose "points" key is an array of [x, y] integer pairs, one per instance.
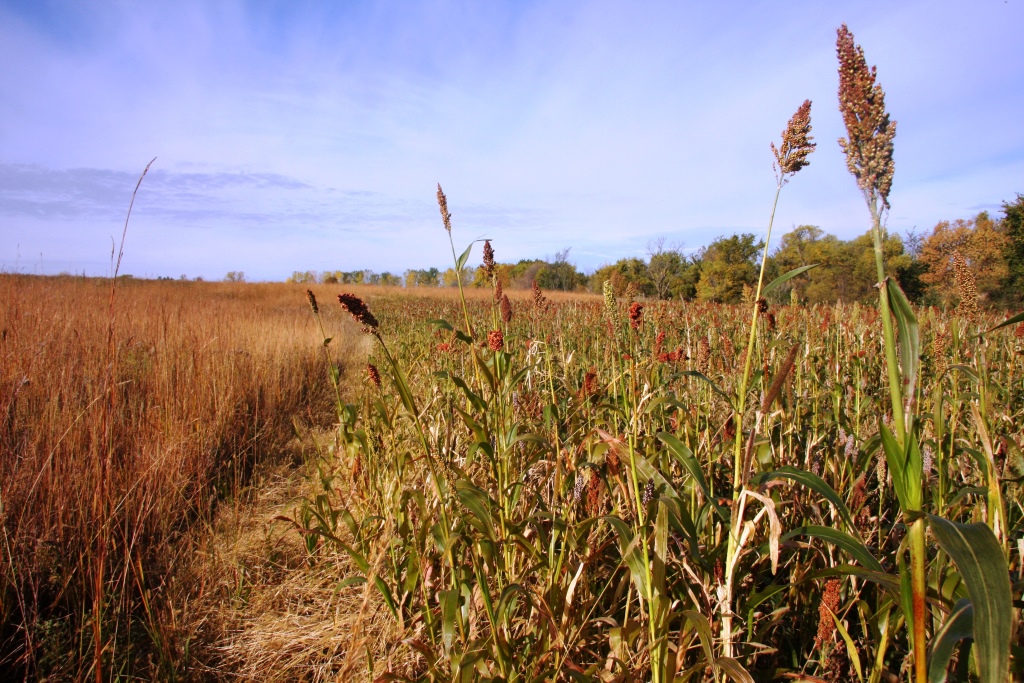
{"points": [[629, 546], [957, 626], [386, 594], [854, 547], [449, 607], [734, 670], [813, 482], [910, 342], [710, 382], [686, 458], [462, 259], [1019, 318], [785, 277], [703, 626], [980, 561]]}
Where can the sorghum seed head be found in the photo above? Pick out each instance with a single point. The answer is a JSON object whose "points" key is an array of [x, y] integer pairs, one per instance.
{"points": [[796, 144], [506, 310], [312, 301], [648, 494], [442, 203], [497, 291], [762, 306], [354, 305], [965, 285], [636, 315], [703, 355], [374, 374], [829, 605], [862, 103], [495, 340], [488, 259]]}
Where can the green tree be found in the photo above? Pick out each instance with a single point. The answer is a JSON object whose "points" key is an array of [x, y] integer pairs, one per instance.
{"points": [[1012, 226], [667, 269], [728, 264]]}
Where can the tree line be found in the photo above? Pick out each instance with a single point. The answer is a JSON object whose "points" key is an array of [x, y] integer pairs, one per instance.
{"points": [[993, 248]]}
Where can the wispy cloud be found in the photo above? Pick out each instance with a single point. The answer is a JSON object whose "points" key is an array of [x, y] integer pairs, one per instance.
{"points": [[596, 125]]}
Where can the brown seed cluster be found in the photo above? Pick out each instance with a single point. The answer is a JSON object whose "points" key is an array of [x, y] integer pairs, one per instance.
{"points": [[354, 305], [374, 374], [539, 300], [312, 301], [964, 278], [488, 259], [829, 605], [636, 315], [442, 203], [495, 340], [862, 103], [590, 387], [506, 309], [940, 346], [703, 355], [796, 145]]}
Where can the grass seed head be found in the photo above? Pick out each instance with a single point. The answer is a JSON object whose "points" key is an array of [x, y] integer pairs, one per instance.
{"points": [[636, 315], [964, 277], [829, 606], [354, 305], [796, 145], [442, 203], [374, 374], [495, 340], [506, 309], [862, 103], [312, 301], [488, 259]]}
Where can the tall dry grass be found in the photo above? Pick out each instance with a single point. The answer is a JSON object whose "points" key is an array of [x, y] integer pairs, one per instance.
{"points": [[112, 454]]}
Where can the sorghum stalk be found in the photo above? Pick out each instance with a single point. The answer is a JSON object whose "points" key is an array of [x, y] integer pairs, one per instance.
{"points": [[869, 157], [790, 157]]}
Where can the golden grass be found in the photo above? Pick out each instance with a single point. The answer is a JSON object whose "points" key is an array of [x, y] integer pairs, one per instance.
{"points": [[112, 454]]}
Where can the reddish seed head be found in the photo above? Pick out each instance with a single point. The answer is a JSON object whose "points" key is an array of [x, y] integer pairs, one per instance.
{"points": [[636, 315], [488, 259], [862, 103], [354, 305], [374, 374], [495, 340], [506, 310]]}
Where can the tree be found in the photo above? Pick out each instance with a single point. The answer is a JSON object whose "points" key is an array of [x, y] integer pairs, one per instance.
{"points": [[622, 274], [1012, 226], [982, 244], [667, 271], [728, 264], [234, 276]]}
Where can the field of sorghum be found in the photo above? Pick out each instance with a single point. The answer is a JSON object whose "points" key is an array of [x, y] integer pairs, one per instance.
{"points": [[554, 497]]}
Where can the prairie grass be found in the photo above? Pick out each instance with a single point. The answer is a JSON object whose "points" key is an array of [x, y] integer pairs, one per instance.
{"points": [[114, 454]]}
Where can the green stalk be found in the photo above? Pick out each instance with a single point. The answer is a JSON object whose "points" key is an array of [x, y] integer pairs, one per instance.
{"points": [[892, 365], [738, 477]]}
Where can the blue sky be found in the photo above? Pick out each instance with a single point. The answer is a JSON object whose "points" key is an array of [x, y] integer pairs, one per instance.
{"points": [[311, 135]]}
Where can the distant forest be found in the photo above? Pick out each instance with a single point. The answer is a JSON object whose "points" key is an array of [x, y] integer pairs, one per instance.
{"points": [[993, 248]]}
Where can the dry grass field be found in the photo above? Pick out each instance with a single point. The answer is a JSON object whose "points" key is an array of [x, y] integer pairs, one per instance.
{"points": [[184, 497]]}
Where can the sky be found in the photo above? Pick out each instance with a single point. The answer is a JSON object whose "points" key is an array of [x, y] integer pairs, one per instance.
{"points": [[312, 135]]}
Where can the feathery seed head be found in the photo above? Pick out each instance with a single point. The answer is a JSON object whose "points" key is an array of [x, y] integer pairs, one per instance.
{"points": [[442, 203], [862, 103], [796, 144]]}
